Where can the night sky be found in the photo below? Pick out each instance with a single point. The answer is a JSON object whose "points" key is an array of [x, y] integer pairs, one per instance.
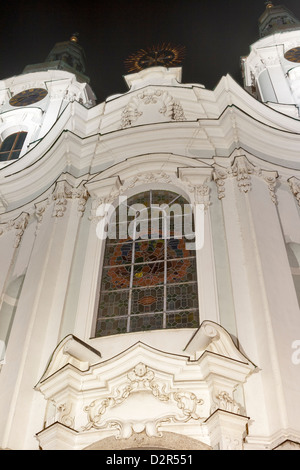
{"points": [[215, 34]]}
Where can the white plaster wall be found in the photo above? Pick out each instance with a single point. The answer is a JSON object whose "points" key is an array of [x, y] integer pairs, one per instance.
{"points": [[245, 282], [281, 313]]}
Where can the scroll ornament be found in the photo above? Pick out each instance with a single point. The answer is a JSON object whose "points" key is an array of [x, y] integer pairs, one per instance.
{"points": [[141, 378]]}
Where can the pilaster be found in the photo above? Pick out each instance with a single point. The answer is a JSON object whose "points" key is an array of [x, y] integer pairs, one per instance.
{"points": [[281, 309], [227, 430], [39, 312]]}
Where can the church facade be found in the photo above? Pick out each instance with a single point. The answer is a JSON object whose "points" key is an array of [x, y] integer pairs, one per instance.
{"points": [[150, 255]]}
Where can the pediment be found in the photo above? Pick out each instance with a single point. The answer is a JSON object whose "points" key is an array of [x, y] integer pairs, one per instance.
{"points": [[210, 338], [213, 338], [142, 389], [70, 351]]}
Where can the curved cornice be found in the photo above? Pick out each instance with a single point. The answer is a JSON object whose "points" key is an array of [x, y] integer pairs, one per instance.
{"points": [[79, 145]]}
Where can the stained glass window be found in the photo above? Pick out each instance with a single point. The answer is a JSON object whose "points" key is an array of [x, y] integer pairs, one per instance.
{"points": [[149, 278], [11, 147]]}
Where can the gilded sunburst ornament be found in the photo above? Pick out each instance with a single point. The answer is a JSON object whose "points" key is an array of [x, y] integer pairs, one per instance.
{"points": [[165, 55]]}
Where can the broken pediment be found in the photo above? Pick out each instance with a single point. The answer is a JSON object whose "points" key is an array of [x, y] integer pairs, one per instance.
{"points": [[143, 389], [70, 351]]}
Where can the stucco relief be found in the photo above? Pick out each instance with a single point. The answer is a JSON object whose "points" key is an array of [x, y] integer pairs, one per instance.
{"points": [[19, 225], [197, 187], [142, 382], [223, 401], [169, 107], [64, 191], [295, 188], [242, 170], [144, 392]]}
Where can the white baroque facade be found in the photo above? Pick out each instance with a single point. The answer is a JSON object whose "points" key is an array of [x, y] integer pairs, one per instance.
{"points": [[232, 382]]}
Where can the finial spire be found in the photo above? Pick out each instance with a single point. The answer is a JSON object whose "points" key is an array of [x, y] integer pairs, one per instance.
{"points": [[74, 37]]}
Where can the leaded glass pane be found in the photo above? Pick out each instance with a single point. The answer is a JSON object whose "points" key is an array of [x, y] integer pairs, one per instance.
{"points": [[182, 296], [177, 248], [146, 322], [114, 303], [117, 254], [147, 300], [181, 270], [111, 326], [116, 278], [182, 319], [149, 276], [148, 251], [141, 198], [163, 197]]}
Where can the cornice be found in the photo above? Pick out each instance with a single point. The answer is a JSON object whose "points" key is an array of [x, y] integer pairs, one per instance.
{"points": [[163, 387], [69, 146]]}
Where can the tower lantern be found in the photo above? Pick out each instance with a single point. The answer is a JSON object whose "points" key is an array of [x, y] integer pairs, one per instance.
{"points": [[272, 69]]}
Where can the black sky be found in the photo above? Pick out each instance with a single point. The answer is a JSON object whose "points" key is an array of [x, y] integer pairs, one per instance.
{"points": [[215, 34]]}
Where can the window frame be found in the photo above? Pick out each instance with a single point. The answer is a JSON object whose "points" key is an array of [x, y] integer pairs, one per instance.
{"points": [[12, 151], [107, 187], [133, 289]]}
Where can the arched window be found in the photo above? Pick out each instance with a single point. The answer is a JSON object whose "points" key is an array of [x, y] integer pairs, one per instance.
{"points": [[149, 278], [12, 146]]}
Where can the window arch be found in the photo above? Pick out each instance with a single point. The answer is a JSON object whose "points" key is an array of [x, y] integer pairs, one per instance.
{"points": [[11, 146], [149, 278]]}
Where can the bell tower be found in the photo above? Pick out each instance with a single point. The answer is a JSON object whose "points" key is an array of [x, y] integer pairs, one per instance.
{"points": [[271, 71], [276, 18], [68, 56], [32, 102]]}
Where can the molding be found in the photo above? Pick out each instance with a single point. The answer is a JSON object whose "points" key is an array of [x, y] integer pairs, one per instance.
{"points": [[167, 440], [272, 136], [71, 350], [281, 440], [19, 224], [295, 188], [242, 170], [142, 390], [64, 191], [198, 180], [193, 180], [60, 437], [143, 379], [169, 107], [288, 445], [227, 430]]}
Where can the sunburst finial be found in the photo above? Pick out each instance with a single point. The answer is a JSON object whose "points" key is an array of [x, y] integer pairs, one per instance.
{"points": [[165, 55]]}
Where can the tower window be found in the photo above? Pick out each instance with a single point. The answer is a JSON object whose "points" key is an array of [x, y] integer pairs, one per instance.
{"points": [[149, 278], [12, 146]]}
